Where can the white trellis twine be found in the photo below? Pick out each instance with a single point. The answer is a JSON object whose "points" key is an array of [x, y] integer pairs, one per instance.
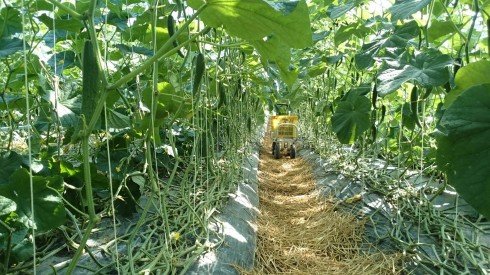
{"points": [[111, 191], [24, 48]]}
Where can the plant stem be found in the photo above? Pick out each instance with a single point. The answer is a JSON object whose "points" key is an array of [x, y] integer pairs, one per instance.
{"points": [[456, 28], [9, 247], [93, 218], [470, 33]]}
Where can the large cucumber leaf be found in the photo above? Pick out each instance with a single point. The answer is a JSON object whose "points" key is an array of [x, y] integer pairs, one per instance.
{"points": [[395, 39], [403, 9], [10, 46], [463, 148], [278, 55], [257, 19], [351, 118], [427, 68], [6, 206], [71, 25], [470, 75], [9, 21], [10, 162], [438, 29], [62, 60], [345, 32], [48, 205], [336, 11]]}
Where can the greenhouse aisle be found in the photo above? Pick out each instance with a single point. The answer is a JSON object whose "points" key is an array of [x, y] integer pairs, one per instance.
{"points": [[300, 232]]}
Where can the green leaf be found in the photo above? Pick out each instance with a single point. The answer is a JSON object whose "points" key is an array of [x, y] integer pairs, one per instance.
{"points": [[10, 101], [10, 22], [120, 20], [403, 9], [463, 150], [117, 120], [41, 5], [66, 169], [62, 60], [71, 25], [67, 109], [6, 206], [319, 36], [49, 211], [273, 49], [439, 29], [402, 35], [396, 39], [10, 162], [18, 239], [345, 32], [351, 118], [288, 74], [485, 7], [279, 55], [10, 46], [473, 74], [335, 12], [81, 6], [317, 70], [256, 19], [428, 69], [22, 250], [168, 103]]}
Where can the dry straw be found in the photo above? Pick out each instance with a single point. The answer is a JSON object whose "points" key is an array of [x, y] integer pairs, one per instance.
{"points": [[301, 233]]}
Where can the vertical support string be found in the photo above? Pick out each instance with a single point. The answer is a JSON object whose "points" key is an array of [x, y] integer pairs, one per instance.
{"points": [[113, 208], [31, 183]]}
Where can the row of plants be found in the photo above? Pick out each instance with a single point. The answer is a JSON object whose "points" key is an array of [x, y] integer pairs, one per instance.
{"points": [[124, 107], [397, 98]]}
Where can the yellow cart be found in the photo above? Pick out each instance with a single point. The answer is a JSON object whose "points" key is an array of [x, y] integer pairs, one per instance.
{"points": [[284, 130]]}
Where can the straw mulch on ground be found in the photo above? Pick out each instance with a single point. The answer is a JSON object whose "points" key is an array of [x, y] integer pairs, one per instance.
{"points": [[301, 233]]}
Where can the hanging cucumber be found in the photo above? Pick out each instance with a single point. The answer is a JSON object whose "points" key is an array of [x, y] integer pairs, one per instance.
{"points": [[238, 89], [374, 132], [414, 98], [457, 65], [458, 62], [383, 112], [243, 57], [488, 34], [222, 94], [375, 95], [171, 32], [199, 72], [90, 80]]}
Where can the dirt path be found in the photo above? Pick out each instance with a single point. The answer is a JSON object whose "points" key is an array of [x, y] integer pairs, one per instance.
{"points": [[301, 233]]}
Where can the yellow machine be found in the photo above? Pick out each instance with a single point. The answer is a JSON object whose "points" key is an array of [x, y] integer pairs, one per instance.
{"points": [[284, 130]]}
